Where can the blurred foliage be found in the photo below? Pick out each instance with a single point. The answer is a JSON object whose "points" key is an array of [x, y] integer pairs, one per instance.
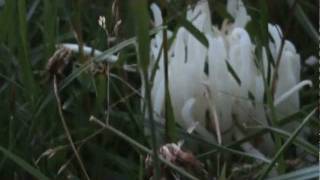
{"points": [[30, 127]]}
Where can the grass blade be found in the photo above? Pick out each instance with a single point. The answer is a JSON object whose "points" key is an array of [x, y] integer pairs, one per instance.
{"points": [[141, 147], [305, 22], [285, 145], [49, 18], [305, 173], [23, 164], [233, 73], [142, 19], [194, 31], [169, 114], [299, 142], [26, 76]]}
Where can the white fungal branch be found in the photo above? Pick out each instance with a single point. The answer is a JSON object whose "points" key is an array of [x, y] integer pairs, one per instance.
{"points": [[88, 51], [291, 91]]}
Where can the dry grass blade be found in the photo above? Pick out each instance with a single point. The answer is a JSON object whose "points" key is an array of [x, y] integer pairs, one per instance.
{"points": [[66, 129]]}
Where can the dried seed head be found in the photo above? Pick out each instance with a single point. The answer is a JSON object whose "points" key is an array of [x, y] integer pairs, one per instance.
{"points": [[58, 61]]}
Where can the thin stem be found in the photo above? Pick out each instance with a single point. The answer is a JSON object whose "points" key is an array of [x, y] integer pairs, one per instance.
{"points": [[108, 94], [66, 129], [152, 124], [141, 147], [169, 118]]}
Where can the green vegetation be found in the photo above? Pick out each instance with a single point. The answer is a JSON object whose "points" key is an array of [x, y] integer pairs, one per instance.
{"points": [[68, 115]]}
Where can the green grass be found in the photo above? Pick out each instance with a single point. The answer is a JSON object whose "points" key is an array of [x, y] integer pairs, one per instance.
{"points": [[33, 141]]}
